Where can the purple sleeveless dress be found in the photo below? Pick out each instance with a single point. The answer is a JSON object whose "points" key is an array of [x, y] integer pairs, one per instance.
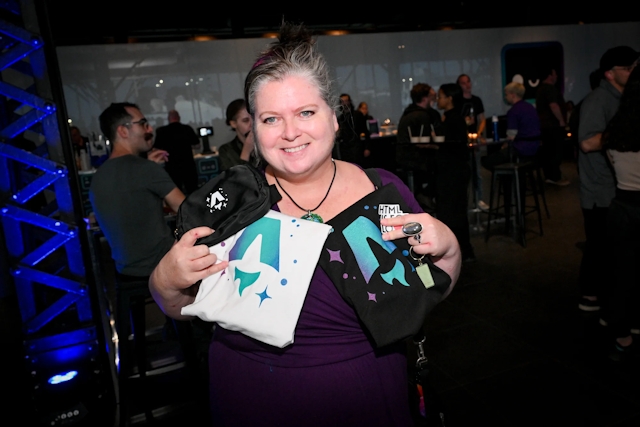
{"points": [[331, 376]]}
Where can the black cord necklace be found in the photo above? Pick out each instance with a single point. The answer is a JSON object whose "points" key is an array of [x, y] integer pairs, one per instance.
{"points": [[309, 212]]}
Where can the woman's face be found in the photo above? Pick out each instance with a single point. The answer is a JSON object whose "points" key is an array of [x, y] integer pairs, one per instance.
{"points": [[364, 109], [443, 100], [509, 97], [295, 128], [242, 124]]}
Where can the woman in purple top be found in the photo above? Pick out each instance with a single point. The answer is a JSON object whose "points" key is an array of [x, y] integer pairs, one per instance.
{"points": [[333, 375], [523, 129], [523, 124]]}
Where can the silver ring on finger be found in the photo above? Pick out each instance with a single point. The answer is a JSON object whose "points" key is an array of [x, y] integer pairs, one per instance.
{"points": [[412, 229]]}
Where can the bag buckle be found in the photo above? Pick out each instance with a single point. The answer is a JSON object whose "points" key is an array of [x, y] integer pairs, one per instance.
{"points": [[422, 358]]}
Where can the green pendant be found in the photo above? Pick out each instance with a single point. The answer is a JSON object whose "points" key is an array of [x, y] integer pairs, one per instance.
{"points": [[312, 217]]}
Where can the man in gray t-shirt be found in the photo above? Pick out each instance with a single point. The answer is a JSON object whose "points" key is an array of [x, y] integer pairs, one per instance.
{"points": [[597, 181], [128, 193]]}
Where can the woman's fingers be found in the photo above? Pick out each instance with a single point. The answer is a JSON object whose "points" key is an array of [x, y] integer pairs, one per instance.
{"points": [[399, 222], [190, 237], [434, 237]]}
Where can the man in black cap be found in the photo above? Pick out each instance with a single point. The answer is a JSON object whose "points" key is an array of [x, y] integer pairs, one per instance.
{"points": [[597, 182]]}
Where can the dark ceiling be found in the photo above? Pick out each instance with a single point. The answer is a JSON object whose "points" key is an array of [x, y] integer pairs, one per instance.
{"points": [[76, 22]]}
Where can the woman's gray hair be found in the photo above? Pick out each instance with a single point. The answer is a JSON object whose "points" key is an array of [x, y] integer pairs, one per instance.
{"points": [[515, 88], [293, 54]]}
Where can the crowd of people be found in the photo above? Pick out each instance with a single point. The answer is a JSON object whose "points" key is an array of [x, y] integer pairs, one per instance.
{"points": [[313, 146]]}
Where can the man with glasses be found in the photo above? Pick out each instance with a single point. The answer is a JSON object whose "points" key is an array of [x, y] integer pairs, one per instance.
{"points": [[597, 182], [129, 191]]}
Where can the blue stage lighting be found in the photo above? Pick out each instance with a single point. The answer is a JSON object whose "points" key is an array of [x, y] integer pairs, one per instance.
{"points": [[62, 378]]}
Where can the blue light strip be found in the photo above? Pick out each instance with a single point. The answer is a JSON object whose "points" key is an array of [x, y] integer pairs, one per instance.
{"points": [[47, 315], [20, 34], [64, 339], [29, 217], [34, 188], [14, 55], [25, 97], [31, 159], [23, 123], [46, 249], [58, 282]]}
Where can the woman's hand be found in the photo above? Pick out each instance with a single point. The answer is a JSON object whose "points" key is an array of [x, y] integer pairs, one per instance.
{"points": [[435, 239], [171, 282]]}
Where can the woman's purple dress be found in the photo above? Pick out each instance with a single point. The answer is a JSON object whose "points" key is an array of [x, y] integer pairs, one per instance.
{"points": [[330, 376]]}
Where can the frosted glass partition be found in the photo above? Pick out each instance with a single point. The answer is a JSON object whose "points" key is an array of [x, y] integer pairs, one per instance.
{"points": [[199, 79]]}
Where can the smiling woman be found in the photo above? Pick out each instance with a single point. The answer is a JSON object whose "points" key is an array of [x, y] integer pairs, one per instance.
{"points": [[337, 372], [295, 129]]}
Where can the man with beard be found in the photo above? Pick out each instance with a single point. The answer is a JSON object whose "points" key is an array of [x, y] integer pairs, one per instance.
{"points": [[129, 191]]}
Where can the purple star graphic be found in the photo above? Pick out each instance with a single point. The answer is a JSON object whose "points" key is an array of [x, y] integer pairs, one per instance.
{"points": [[372, 297], [335, 256]]}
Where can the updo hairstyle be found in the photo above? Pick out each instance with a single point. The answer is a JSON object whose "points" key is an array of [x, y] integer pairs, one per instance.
{"points": [[294, 54]]}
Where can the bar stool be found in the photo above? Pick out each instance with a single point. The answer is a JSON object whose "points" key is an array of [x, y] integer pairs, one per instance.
{"points": [[514, 180], [132, 300], [537, 168]]}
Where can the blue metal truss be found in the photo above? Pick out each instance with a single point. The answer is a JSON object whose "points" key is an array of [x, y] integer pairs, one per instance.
{"points": [[52, 264]]}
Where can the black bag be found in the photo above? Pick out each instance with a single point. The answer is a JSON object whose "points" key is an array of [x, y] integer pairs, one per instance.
{"points": [[379, 279], [227, 203]]}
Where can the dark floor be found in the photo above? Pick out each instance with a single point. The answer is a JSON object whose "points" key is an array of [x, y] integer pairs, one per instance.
{"points": [[509, 347]]}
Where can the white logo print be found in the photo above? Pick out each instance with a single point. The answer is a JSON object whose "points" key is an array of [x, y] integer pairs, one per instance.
{"points": [[217, 200], [389, 211]]}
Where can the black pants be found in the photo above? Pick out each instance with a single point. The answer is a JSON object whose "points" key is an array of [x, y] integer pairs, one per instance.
{"points": [[184, 175], [593, 277], [452, 200], [623, 227], [551, 150]]}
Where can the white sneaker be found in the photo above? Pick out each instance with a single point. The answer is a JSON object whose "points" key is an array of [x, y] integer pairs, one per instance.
{"points": [[483, 206], [561, 182]]}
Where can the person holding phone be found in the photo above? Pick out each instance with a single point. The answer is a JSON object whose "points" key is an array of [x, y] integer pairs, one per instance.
{"points": [[240, 149]]}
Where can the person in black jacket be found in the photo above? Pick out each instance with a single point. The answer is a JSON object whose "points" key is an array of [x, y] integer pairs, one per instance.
{"points": [[419, 117], [240, 150], [453, 171], [351, 146], [177, 139]]}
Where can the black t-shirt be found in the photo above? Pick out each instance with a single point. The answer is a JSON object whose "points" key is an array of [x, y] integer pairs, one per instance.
{"points": [[471, 107], [455, 144], [546, 95]]}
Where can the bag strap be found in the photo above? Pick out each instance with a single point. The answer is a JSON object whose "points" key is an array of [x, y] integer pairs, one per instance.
{"points": [[419, 337], [374, 176], [434, 416]]}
